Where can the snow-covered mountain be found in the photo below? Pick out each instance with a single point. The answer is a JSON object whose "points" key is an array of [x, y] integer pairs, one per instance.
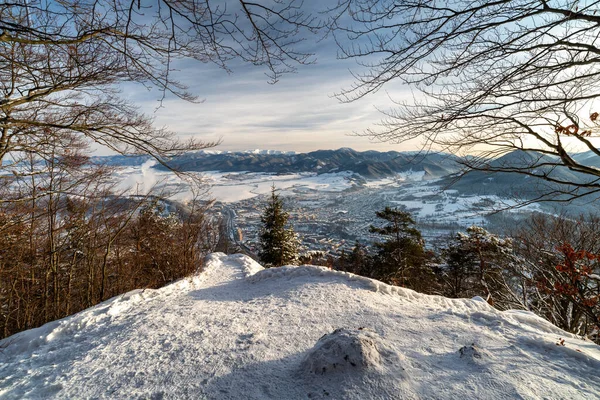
{"points": [[509, 184], [373, 165], [368, 164], [236, 331]]}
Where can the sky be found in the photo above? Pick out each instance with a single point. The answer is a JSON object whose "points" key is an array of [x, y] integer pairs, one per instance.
{"points": [[299, 113], [242, 110]]}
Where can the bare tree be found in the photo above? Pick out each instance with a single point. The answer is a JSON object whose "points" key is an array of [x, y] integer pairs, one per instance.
{"points": [[492, 76], [68, 237], [61, 63], [559, 271]]}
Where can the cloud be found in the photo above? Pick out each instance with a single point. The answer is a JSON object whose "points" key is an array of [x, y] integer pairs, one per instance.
{"points": [[298, 113]]}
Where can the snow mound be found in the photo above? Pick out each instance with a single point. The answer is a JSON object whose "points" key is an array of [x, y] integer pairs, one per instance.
{"points": [[50, 333], [473, 353], [238, 331], [292, 271], [343, 350], [247, 265], [255, 273]]}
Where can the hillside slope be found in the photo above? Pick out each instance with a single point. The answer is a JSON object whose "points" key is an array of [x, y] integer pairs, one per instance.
{"points": [[236, 331]]}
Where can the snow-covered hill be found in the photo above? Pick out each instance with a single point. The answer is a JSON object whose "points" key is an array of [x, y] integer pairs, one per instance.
{"points": [[236, 331]]}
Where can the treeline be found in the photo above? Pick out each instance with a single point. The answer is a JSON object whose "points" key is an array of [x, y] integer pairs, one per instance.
{"points": [[70, 239]]}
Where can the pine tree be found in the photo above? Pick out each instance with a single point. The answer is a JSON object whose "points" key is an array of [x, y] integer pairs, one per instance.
{"points": [[402, 258], [359, 260], [476, 265], [278, 242]]}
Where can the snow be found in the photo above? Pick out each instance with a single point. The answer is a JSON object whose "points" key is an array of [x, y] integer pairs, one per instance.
{"points": [[238, 331], [397, 179], [230, 187], [349, 351]]}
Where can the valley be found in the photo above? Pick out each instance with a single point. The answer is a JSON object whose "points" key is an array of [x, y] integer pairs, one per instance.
{"points": [[334, 215], [332, 209]]}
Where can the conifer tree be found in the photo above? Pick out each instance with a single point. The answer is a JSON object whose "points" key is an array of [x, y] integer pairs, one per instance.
{"points": [[278, 241], [358, 261], [477, 265], [401, 259]]}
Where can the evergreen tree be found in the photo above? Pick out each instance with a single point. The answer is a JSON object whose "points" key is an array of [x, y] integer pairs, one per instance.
{"points": [[476, 265], [358, 261], [278, 242], [402, 258]]}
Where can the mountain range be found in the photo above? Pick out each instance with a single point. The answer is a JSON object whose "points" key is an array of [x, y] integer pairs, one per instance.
{"points": [[377, 165], [512, 184], [368, 164]]}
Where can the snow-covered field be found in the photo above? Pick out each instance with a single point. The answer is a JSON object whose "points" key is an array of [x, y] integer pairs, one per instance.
{"points": [[235, 186], [408, 189], [229, 187], [236, 331]]}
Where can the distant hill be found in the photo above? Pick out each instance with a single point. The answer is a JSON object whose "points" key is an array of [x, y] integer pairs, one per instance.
{"points": [[588, 158], [369, 164], [377, 165], [121, 160], [513, 184]]}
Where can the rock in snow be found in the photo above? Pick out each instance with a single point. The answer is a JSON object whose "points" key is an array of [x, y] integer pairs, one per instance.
{"points": [[236, 331], [344, 350]]}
